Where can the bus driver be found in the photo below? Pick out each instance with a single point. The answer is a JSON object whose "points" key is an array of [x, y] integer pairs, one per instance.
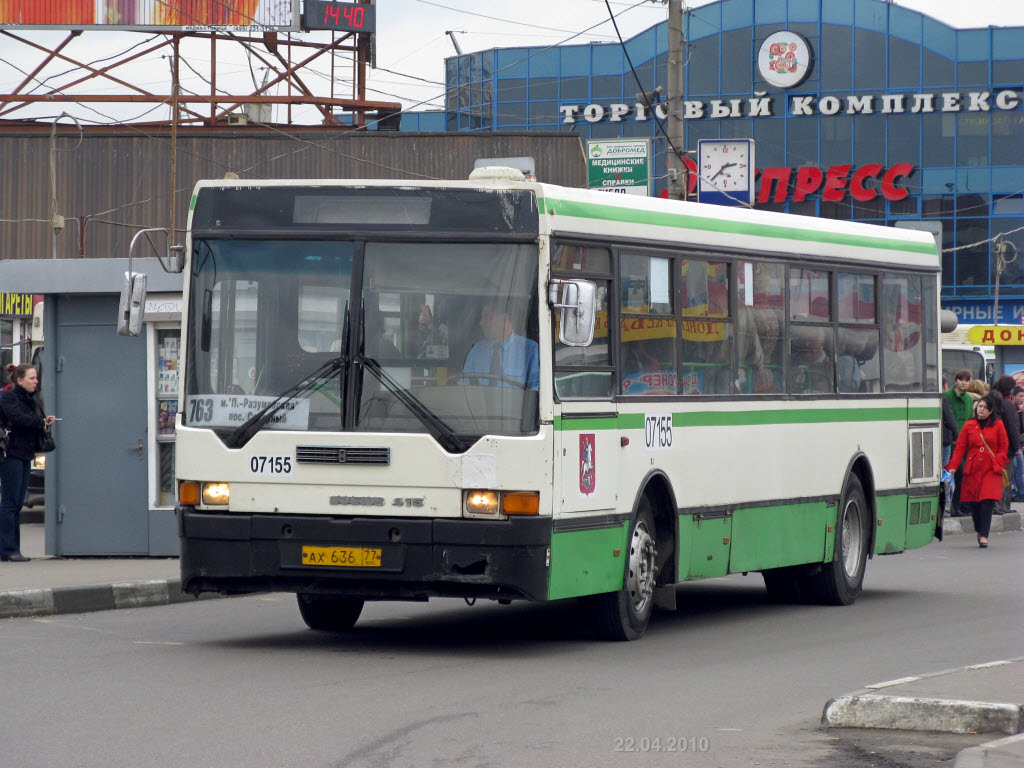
{"points": [[503, 352]]}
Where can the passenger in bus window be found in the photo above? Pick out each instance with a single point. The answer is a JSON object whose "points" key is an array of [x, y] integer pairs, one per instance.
{"points": [[811, 363], [768, 377], [511, 357], [856, 348], [749, 349], [431, 339], [643, 369]]}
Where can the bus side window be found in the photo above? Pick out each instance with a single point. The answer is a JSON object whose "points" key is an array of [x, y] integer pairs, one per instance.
{"points": [[902, 331], [760, 297], [705, 367]]}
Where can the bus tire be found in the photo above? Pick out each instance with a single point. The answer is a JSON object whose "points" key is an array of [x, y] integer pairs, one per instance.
{"points": [[329, 614], [839, 582], [623, 615]]}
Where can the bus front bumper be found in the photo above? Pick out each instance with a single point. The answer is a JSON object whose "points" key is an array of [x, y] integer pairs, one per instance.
{"points": [[419, 559]]}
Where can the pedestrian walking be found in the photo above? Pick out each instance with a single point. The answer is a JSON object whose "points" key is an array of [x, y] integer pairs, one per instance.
{"points": [[961, 400], [982, 447], [23, 416], [976, 389], [8, 371], [950, 431], [1018, 459], [1008, 413]]}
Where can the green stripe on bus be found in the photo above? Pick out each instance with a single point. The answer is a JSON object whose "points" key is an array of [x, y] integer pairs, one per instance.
{"points": [[686, 221], [753, 418]]}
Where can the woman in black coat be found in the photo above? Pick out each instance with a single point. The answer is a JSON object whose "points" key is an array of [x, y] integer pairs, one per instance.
{"points": [[24, 419]]}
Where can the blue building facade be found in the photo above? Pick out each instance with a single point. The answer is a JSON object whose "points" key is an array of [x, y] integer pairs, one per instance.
{"points": [[859, 110]]}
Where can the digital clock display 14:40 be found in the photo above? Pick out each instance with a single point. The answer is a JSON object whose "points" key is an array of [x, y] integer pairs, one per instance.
{"points": [[339, 16]]}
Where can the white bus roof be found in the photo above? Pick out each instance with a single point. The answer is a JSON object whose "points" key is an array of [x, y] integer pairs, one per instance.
{"points": [[588, 213]]}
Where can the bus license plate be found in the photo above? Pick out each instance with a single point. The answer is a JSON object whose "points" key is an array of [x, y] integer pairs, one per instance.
{"points": [[341, 557]]}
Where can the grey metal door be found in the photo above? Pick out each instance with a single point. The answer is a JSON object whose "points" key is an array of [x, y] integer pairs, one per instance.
{"points": [[102, 504]]}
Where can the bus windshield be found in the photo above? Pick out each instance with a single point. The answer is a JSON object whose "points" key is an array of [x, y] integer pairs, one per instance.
{"points": [[324, 335]]}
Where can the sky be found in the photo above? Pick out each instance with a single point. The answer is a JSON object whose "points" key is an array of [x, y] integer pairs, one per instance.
{"points": [[411, 47]]}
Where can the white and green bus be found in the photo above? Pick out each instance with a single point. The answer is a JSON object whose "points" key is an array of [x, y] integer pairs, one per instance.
{"points": [[506, 390]]}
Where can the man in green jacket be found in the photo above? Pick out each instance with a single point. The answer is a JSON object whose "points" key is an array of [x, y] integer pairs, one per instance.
{"points": [[963, 403], [963, 409]]}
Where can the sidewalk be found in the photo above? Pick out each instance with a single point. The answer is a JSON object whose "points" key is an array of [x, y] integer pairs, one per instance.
{"points": [[53, 585]]}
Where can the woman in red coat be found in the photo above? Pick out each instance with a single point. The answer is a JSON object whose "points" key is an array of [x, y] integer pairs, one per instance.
{"points": [[982, 485]]}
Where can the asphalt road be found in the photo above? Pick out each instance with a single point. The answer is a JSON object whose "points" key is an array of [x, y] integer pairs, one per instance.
{"points": [[729, 679]]}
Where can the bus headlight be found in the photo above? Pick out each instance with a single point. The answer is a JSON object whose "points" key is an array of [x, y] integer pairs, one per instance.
{"points": [[481, 504], [499, 505], [216, 493]]}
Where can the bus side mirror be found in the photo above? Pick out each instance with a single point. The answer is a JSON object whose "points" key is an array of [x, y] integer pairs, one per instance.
{"points": [[947, 321], [132, 304], [578, 301]]}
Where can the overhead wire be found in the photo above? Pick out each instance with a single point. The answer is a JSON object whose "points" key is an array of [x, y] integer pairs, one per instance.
{"points": [[495, 18], [448, 91]]}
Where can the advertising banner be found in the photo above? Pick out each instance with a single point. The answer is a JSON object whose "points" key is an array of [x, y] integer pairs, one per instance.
{"points": [[147, 14]]}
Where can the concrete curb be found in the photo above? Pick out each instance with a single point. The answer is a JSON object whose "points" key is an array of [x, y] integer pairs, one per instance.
{"points": [[867, 708], [1011, 521], [920, 714], [100, 597]]}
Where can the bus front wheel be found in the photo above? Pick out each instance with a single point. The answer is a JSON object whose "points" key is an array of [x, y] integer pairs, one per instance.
{"points": [[839, 582], [623, 615], [329, 614]]}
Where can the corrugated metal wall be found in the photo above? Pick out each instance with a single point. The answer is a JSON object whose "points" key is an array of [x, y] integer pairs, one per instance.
{"points": [[111, 185]]}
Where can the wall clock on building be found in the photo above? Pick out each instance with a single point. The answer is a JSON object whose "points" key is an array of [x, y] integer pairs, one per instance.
{"points": [[726, 171]]}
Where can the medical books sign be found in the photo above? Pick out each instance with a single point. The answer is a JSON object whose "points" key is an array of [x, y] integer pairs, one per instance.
{"points": [[620, 165]]}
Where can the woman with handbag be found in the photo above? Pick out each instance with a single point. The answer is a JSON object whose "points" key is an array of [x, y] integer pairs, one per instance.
{"points": [[28, 428], [984, 442]]}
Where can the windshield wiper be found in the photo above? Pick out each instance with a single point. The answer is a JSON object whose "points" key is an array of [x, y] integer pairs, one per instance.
{"points": [[437, 428], [255, 423], [315, 380]]}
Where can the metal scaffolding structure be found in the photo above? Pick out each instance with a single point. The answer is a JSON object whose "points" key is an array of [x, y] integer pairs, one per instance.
{"points": [[287, 61]]}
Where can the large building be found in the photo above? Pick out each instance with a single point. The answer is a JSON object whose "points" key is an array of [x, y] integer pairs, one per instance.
{"points": [[859, 109]]}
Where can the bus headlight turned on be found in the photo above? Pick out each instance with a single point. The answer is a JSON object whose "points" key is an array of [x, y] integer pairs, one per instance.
{"points": [[499, 505], [216, 494], [481, 504]]}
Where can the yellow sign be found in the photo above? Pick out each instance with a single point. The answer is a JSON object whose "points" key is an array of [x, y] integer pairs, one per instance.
{"points": [[1003, 335], [17, 304], [637, 328], [702, 329]]}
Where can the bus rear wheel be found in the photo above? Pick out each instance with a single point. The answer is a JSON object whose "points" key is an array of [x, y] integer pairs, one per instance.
{"points": [[329, 614], [839, 582], [623, 615]]}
